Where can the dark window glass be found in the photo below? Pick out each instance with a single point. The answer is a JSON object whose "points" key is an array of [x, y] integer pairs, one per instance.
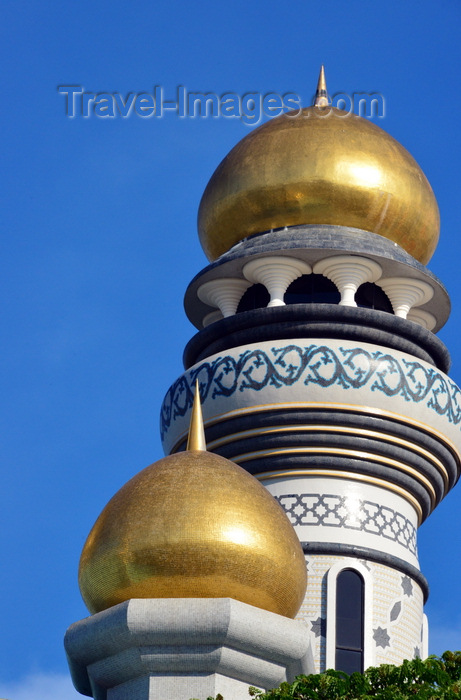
{"points": [[255, 297], [315, 289], [312, 289], [370, 296], [349, 621], [349, 661]]}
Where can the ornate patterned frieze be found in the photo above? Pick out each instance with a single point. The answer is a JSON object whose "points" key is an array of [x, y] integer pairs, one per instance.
{"points": [[333, 513], [318, 364], [333, 510], [333, 376]]}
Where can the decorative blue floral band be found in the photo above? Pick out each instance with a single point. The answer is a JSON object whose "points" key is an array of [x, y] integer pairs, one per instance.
{"points": [[321, 365]]}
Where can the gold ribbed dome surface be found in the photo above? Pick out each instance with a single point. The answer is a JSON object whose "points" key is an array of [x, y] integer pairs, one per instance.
{"points": [[193, 525], [323, 166]]}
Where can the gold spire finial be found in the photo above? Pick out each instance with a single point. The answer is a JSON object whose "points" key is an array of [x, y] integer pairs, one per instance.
{"points": [[196, 438], [321, 95]]}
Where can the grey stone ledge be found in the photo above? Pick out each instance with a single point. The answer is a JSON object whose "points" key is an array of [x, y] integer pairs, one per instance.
{"points": [[173, 638]]}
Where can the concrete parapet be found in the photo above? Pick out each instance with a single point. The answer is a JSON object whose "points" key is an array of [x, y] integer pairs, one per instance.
{"points": [[177, 649]]}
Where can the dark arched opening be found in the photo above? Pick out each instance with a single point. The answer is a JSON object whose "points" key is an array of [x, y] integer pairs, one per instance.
{"points": [[315, 289], [312, 289], [370, 296], [255, 297]]}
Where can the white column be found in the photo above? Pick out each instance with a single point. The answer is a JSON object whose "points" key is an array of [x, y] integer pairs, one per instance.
{"points": [[276, 274], [348, 272], [212, 317], [405, 293], [422, 318], [224, 293]]}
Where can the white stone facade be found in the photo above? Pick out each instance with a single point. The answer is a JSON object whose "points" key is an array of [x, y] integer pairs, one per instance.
{"points": [[397, 626]]}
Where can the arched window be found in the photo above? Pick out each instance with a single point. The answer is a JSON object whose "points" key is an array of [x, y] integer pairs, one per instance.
{"points": [[349, 621]]}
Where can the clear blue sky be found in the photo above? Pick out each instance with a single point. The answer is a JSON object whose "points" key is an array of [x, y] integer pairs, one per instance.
{"points": [[99, 243]]}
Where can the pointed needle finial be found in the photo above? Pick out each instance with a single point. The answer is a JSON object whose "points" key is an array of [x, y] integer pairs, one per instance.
{"points": [[196, 438], [321, 95]]}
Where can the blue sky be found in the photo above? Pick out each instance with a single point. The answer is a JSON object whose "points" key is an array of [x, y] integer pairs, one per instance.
{"points": [[99, 243]]}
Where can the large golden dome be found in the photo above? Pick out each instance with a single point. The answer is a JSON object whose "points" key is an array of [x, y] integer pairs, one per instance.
{"points": [[323, 166], [193, 525]]}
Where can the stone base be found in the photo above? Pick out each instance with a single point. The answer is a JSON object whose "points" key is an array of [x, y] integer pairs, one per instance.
{"points": [[178, 649]]}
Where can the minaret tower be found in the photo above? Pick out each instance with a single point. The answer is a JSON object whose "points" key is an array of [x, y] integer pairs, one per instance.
{"points": [[318, 367]]}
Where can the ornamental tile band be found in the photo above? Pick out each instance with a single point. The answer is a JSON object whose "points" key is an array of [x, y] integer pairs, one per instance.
{"points": [[349, 368], [331, 510]]}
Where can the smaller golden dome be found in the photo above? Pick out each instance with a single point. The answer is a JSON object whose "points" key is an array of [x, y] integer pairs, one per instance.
{"points": [[193, 525], [319, 166]]}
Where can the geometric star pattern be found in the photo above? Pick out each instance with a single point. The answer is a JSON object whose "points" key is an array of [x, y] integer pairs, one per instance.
{"points": [[407, 586], [395, 612], [381, 637], [319, 627]]}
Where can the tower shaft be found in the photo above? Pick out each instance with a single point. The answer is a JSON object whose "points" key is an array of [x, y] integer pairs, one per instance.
{"points": [[344, 412]]}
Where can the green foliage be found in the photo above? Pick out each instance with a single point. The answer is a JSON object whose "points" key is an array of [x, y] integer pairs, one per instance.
{"points": [[432, 679]]}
